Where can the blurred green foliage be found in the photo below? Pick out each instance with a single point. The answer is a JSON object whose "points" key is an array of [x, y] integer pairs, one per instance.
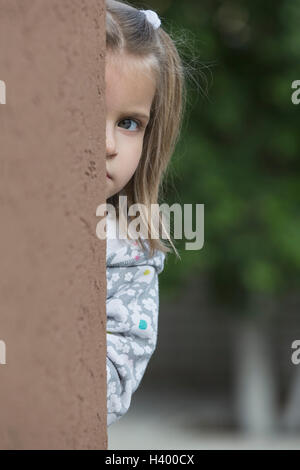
{"points": [[239, 149]]}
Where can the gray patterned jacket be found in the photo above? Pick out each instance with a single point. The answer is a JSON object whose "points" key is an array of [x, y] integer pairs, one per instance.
{"points": [[132, 306]]}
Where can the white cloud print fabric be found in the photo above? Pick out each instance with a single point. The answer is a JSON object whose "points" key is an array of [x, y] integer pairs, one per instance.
{"points": [[132, 306]]}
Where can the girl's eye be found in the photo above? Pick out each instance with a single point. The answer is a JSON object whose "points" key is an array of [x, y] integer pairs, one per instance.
{"points": [[128, 121]]}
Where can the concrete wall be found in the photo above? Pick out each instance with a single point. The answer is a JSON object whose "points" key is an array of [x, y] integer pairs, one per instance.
{"points": [[52, 265]]}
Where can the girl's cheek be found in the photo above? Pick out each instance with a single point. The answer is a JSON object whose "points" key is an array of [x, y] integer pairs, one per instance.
{"points": [[130, 147]]}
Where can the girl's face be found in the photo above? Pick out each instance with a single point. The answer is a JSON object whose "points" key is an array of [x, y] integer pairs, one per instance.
{"points": [[130, 89]]}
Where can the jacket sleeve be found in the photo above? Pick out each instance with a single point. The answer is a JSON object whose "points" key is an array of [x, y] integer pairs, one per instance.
{"points": [[132, 320]]}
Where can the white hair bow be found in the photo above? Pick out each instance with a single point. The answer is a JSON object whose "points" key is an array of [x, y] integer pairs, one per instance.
{"points": [[152, 17]]}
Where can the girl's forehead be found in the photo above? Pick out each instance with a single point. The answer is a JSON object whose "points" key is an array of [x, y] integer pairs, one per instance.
{"points": [[126, 64], [129, 85]]}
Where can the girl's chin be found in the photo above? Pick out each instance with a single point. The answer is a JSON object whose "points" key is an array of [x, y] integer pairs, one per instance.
{"points": [[109, 193]]}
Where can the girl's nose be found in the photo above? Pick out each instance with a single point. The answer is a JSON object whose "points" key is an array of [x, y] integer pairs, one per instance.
{"points": [[111, 149]]}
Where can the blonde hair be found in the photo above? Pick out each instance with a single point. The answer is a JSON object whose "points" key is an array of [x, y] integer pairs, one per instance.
{"points": [[128, 31]]}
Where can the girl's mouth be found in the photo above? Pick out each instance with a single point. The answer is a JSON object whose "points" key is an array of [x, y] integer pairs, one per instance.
{"points": [[108, 176]]}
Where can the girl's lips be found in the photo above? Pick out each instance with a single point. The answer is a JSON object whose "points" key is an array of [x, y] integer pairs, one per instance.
{"points": [[108, 176]]}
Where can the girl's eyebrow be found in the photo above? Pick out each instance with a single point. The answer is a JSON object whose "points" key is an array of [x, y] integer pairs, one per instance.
{"points": [[139, 115]]}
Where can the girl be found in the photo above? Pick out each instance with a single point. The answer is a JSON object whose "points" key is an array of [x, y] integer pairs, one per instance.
{"points": [[145, 97]]}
